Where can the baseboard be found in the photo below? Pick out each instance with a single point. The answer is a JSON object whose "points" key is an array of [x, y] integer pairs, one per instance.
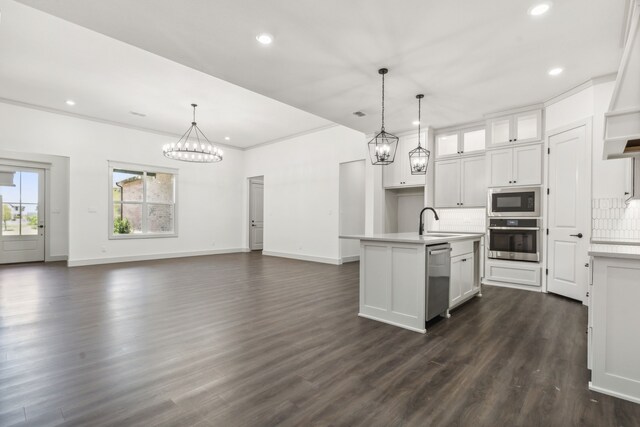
{"points": [[323, 260], [633, 399], [352, 258], [56, 258], [148, 257], [512, 286]]}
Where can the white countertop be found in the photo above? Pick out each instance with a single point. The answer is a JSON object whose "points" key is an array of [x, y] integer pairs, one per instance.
{"points": [[426, 239], [615, 251]]}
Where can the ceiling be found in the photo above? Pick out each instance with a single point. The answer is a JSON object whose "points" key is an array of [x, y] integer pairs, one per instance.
{"points": [[469, 58], [44, 61]]}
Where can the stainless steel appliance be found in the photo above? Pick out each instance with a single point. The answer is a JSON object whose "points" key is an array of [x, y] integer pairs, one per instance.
{"points": [[514, 202], [514, 239], [437, 284]]}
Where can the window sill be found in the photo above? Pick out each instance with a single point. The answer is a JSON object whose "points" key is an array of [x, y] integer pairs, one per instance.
{"points": [[140, 236]]}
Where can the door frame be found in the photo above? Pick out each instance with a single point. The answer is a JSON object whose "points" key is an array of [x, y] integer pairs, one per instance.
{"points": [[46, 171], [588, 125], [248, 211]]}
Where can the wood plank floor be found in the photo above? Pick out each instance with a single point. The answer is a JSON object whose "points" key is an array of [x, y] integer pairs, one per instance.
{"points": [[247, 340]]}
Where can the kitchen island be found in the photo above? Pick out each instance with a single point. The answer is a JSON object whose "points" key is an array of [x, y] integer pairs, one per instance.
{"points": [[393, 274]]}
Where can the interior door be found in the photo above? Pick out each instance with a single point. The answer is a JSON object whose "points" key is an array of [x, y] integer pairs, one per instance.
{"points": [[256, 227], [22, 228], [569, 213]]}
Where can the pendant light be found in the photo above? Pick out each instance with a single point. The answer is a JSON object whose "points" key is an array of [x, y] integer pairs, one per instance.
{"points": [[198, 151], [419, 157], [383, 146]]}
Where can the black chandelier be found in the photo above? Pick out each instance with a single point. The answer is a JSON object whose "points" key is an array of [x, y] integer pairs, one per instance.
{"points": [[198, 151], [383, 146], [419, 157]]}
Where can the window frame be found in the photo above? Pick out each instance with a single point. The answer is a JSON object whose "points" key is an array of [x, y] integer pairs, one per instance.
{"points": [[145, 169]]}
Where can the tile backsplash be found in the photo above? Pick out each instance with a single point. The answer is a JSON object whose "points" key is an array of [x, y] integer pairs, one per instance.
{"points": [[613, 219], [463, 220]]}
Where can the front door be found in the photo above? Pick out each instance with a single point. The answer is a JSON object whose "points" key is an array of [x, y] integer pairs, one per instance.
{"points": [[256, 227], [569, 213], [22, 228]]}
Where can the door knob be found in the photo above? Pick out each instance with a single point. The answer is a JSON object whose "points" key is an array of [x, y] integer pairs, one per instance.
{"points": [[579, 235]]}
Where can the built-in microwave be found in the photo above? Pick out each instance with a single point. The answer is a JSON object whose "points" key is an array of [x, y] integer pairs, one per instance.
{"points": [[514, 202]]}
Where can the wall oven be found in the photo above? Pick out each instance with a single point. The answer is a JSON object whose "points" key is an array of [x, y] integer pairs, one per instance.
{"points": [[514, 202], [514, 239]]}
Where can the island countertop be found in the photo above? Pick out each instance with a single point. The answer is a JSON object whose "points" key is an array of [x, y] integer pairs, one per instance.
{"points": [[427, 239]]}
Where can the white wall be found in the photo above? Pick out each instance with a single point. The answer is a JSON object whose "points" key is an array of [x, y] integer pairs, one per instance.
{"points": [[210, 195], [301, 191], [351, 206]]}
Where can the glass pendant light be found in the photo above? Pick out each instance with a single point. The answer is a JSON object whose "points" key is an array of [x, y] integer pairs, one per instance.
{"points": [[419, 157], [383, 146], [198, 151]]}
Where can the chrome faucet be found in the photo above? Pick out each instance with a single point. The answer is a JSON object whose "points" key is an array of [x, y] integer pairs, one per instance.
{"points": [[435, 214]]}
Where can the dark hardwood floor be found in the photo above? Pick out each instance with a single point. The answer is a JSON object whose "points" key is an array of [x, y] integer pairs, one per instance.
{"points": [[247, 340]]}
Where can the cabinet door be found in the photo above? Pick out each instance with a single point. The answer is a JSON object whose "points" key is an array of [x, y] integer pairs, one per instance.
{"points": [[447, 177], [473, 182], [473, 140], [527, 165], [500, 131], [500, 167], [391, 173], [466, 275], [527, 126], [455, 283], [407, 144], [447, 145]]}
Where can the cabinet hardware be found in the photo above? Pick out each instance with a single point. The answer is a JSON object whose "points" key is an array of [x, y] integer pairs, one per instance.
{"points": [[546, 272], [510, 182], [626, 193], [548, 191], [514, 182], [515, 139], [587, 265], [548, 150]]}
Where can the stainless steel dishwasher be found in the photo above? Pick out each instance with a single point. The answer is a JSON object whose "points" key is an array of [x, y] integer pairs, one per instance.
{"points": [[438, 274]]}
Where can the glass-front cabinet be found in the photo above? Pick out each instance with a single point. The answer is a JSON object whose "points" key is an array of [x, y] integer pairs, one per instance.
{"points": [[460, 141], [522, 127]]}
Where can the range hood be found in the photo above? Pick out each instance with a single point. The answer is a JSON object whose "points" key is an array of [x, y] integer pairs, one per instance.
{"points": [[622, 121]]}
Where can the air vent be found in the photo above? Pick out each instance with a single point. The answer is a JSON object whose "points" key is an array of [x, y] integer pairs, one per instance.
{"points": [[359, 114]]}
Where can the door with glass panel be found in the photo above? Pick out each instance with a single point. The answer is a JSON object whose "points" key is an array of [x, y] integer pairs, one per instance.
{"points": [[22, 228]]}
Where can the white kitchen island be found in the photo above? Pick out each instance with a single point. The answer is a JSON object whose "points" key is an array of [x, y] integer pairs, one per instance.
{"points": [[393, 274]]}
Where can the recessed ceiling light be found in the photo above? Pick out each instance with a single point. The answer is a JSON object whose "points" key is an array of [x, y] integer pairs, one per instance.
{"points": [[70, 102], [539, 9], [264, 38], [226, 138], [555, 71], [416, 122]]}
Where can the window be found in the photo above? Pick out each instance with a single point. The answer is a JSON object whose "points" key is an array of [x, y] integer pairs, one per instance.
{"points": [[142, 201], [20, 203]]}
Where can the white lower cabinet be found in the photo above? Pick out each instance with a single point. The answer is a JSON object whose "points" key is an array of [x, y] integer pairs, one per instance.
{"points": [[522, 274], [614, 338], [462, 283]]}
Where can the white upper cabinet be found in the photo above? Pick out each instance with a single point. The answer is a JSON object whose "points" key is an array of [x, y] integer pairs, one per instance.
{"points": [[398, 173], [447, 184], [500, 131], [515, 128], [461, 182], [461, 141], [527, 165], [447, 144], [515, 166], [473, 182], [473, 140]]}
